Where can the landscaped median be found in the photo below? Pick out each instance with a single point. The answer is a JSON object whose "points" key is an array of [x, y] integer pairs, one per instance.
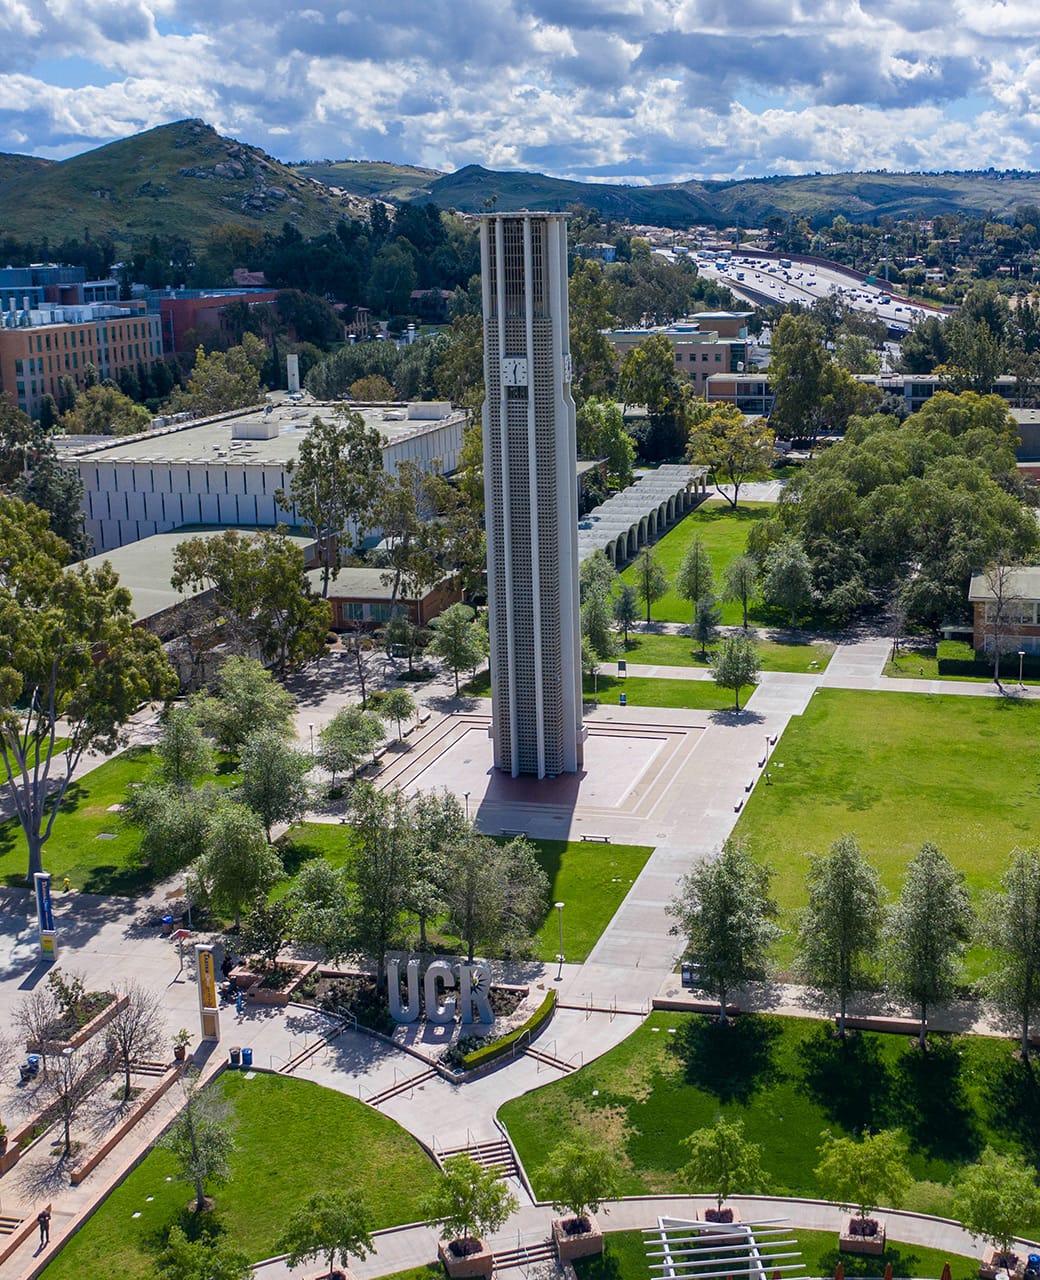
{"points": [[487, 1054], [644, 691]]}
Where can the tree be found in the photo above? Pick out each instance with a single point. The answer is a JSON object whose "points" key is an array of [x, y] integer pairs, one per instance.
{"points": [[334, 485], [347, 740], [77, 1073], [136, 1029], [624, 608], [237, 863], [735, 664], [248, 698], [865, 1174], [223, 380], [696, 577], [927, 929], [1013, 916], [798, 375], [182, 751], [373, 388], [274, 778], [266, 928], [469, 1200], [732, 447], [495, 895], [787, 579], [841, 926], [706, 616], [995, 1197], [103, 410], [596, 576], [723, 1161], [330, 1223], [59, 491], [1003, 607], [590, 317], [381, 863], [740, 582], [724, 912], [359, 645], [459, 640], [439, 821], [651, 579], [404, 637], [578, 1177], [596, 620], [322, 908], [602, 434], [69, 653], [185, 1259], [396, 705], [174, 824], [201, 1140]]}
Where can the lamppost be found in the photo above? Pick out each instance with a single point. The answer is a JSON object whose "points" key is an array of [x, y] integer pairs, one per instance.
{"points": [[466, 798], [311, 727], [1021, 659], [559, 915]]}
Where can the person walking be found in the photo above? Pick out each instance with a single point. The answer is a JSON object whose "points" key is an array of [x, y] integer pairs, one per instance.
{"points": [[44, 1220]]}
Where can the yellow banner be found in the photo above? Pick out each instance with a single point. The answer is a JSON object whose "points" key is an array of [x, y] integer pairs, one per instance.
{"points": [[207, 980]]}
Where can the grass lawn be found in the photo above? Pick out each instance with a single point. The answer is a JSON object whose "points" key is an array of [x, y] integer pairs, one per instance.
{"points": [[724, 532], [80, 847], [788, 1079], [895, 770], [643, 691], [592, 879], [292, 1138], [624, 1258], [683, 651], [923, 664]]}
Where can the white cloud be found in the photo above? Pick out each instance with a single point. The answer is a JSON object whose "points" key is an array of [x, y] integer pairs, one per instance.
{"points": [[637, 90]]}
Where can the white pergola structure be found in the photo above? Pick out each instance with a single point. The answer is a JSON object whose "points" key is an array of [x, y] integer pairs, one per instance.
{"points": [[639, 514], [678, 1248]]}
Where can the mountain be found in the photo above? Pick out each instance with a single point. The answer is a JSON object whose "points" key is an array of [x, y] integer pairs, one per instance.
{"points": [[372, 177], [175, 180], [16, 168]]}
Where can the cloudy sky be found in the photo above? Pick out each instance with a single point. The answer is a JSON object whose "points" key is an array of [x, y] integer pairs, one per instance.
{"points": [[630, 90]]}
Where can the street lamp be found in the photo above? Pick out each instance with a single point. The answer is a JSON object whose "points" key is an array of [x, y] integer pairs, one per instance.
{"points": [[311, 727], [559, 914], [1021, 658], [466, 798]]}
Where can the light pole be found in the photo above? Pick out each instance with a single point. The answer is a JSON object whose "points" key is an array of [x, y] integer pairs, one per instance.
{"points": [[466, 798], [1021, 659], [559, 916], [311, 727]]}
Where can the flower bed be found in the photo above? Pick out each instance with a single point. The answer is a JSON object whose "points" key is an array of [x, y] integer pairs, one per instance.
{"points": [[489, 1053], [273, 988]]}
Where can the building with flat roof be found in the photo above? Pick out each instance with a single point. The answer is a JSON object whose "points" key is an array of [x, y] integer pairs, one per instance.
{"points": [[186, 312], [711, 342], [530, 491], [1019, 626], [41, 346], [361, 598], [227, 470]]}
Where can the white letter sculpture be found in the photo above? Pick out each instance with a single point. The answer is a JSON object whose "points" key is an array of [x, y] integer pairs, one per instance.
{"points": [[474, 987], [410, 1011], [441, 1014]]}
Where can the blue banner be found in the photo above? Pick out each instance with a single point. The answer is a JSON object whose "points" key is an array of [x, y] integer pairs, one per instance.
{"points": [[44, 913]]}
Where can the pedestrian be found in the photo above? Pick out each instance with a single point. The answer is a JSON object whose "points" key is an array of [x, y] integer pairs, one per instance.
{"points": [[44, 1219]]}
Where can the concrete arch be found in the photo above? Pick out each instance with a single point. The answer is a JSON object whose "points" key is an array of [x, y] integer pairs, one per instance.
{"points": [[644, 528], [662, 515], [671, 508], [653, 524], [633, 544]]}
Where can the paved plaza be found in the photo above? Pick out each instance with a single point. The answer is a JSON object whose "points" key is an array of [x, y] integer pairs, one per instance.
{"points": [[668, 778]]}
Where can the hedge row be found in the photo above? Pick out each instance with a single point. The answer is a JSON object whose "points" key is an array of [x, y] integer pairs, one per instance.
{"points": [[489, 1052], [959, 659]]}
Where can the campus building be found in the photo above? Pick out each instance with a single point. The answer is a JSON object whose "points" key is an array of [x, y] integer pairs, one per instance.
{"points": [[1018, 626], [530, 490], [42, 345], [228, 470], [705, 344]]}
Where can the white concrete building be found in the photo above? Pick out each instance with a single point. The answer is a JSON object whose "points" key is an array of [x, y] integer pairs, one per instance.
{"points": [[227, 470], [530, 488]]}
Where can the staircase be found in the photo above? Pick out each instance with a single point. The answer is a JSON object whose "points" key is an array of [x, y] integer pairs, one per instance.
{"points": [[547, 1060], [143, 1067], [401, 1086], [525, 1255], [306, 1054], [495, 1154], [9, 1223]]}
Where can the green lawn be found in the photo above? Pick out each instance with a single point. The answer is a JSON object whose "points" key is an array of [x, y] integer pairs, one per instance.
{"points": [[682, 651], [923, 664], [292, 1138], [80, 847], [624, 1258], [895, 770], [724, 532], [788, 1079], [643, 691], [591, 879]]}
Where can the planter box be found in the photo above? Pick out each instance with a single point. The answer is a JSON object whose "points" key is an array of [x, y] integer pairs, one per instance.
{"points": [[249, 983], [994, 1262], [54, 1047], [873, 1245], [722, 1231], [580, 1244], [479, 1263]]}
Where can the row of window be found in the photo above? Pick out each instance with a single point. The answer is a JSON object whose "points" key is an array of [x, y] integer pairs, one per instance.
{"points": [[693, 358]]}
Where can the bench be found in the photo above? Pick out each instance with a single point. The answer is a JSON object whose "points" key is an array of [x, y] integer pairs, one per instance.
{"points": [[597, 839], [895, 1026]]}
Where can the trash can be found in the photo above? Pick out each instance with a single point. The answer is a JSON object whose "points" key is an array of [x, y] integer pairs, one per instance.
{"points": [[623, 701], [234, 1055], [167, 924], [247, 1057]]}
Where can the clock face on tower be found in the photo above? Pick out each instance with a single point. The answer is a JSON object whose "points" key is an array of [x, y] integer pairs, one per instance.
{"points": [[514, 371]]}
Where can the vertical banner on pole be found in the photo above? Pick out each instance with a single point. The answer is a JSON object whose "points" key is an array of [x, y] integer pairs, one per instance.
{"points": [[205, 967], [45, 914]]}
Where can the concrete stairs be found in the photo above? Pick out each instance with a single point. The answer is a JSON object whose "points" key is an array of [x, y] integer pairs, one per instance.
{"points": [[401, 1086], [494, 1154]]}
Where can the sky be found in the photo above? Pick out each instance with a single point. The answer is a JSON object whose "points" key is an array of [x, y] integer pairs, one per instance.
{"points": [[604, 90]]}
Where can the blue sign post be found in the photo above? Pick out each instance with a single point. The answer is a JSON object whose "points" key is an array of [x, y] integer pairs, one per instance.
{"points": [[45, 915]]}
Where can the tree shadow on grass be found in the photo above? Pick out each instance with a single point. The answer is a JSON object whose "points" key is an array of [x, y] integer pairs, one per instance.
{"points": [[207, 1227], [933, 1108], [1013, 1104], [731, 1060], [846, 1078], [905, 1262]]}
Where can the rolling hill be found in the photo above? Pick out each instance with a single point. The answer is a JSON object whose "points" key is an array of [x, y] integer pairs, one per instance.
{"points": [[175, 180], [372, 177]]}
